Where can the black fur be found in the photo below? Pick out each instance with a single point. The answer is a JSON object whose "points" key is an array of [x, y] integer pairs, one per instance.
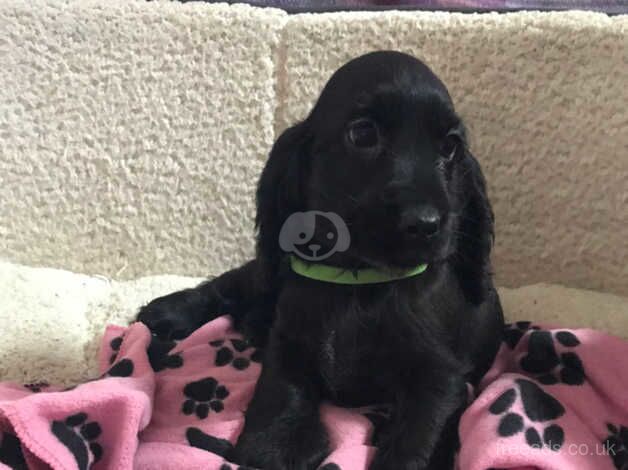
{"points": [[413, 342]]}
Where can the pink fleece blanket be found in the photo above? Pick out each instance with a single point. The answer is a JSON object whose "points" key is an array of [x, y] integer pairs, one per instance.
{"points": [[554, 399]]}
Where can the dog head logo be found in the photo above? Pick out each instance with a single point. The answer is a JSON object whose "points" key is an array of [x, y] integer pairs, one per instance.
{"points": [[314, 235]]}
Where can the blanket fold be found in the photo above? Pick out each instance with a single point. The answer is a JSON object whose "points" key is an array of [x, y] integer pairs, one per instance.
{"points": [[554, 400]]}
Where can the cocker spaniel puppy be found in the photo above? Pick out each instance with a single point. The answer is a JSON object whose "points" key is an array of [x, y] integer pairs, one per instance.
{"points": [[371, 282]]}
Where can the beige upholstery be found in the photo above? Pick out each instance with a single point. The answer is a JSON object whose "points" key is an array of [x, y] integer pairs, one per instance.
{"points": [[132, 134]]}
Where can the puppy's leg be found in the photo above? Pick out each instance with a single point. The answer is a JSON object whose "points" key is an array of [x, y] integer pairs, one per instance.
{"points": [[176, 315], [282, 428], [448, 444], [425, 409]]}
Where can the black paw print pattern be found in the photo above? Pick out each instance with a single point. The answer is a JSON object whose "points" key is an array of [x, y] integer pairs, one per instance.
{"points": [[617, 445], [547, 365], [237, 352], [330, 466], [158, 355], [124, 368], [37, 386], [513, 332], [11, 452], [538, 406], [215, 445], [115, 344], [79, 436], [202, 396]]}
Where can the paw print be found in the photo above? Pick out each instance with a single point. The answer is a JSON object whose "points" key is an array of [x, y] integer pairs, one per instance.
{"points": [[123, 368], [538, 407], [11, 453], [158, 355], [197, 438], [547, 365], [37, 386], [513, 332], [115, 344], [202, 396], [215, 445], [617, 445], [79, 436], [239, 354]]}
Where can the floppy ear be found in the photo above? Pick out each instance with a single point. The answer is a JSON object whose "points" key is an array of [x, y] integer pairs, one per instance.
{"points": [[280, 193], [473, 264]]}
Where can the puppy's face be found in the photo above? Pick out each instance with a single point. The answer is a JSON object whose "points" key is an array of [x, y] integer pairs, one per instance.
{"points": [[383, 153]]}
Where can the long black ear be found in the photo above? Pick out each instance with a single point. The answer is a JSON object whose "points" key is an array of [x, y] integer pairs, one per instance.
{"points": [[473, 264], [280, 192]]}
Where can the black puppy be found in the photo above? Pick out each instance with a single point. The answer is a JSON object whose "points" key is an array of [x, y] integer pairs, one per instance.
{"points": [[383, 154]]}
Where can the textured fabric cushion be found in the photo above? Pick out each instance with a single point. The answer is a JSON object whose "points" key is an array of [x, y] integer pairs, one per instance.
{"points": [[51, 321], [132, 133]]}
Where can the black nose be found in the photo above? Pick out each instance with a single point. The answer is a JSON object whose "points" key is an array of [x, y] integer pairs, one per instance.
{"points": [[420, 221]]}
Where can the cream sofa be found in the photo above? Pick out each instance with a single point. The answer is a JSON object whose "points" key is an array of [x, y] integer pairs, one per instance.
{"points": [[132, 134]]}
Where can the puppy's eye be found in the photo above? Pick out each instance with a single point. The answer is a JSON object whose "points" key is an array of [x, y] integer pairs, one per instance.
{"points": [[449, 146], [363, 133]]}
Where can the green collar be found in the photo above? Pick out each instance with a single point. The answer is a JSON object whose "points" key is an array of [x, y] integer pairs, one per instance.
{"points": [[335, 275]]}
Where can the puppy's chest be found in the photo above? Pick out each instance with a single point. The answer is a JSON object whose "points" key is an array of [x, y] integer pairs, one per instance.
{"points": [[351, 365]]}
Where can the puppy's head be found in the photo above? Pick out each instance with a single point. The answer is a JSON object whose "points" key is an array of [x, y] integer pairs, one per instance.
{"points": [[384, 150]]}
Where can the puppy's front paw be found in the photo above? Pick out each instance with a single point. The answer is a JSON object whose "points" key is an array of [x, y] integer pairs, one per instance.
{"points": [[176, 315]]}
